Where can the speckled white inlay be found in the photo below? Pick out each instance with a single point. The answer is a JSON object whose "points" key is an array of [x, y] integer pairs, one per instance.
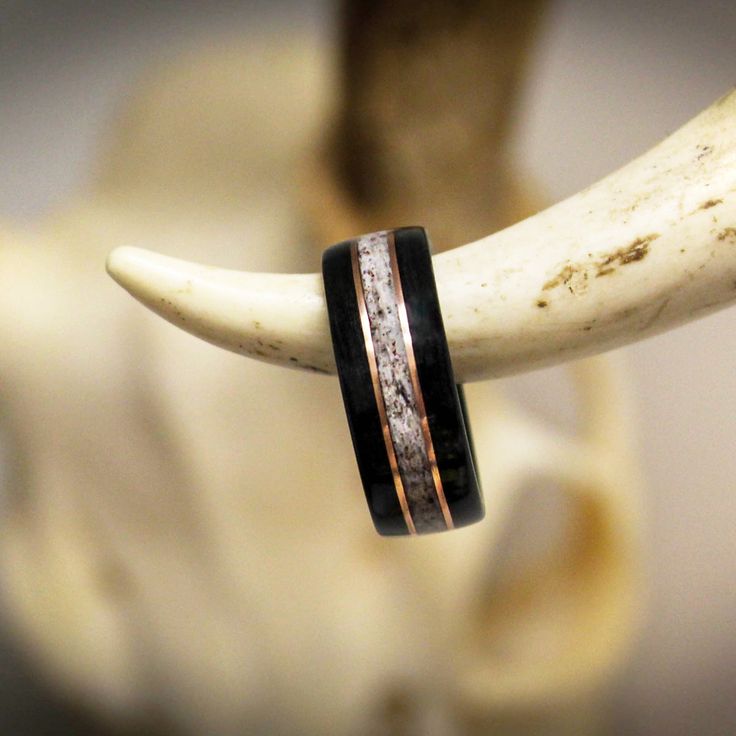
{"points": [[395, 379]]}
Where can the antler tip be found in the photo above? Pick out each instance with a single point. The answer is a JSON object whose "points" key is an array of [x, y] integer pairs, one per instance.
{"points": [[126, 263]]}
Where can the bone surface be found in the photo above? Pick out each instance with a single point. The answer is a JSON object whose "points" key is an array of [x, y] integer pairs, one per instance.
{"points": [[184, 521], [645, 249]]}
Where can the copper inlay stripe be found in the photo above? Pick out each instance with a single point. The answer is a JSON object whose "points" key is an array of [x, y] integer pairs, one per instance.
{"points": [[371, 353], [419, 397]]}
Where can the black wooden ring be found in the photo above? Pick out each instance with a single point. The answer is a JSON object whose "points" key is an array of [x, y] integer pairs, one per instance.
{"points": [[406, 414]]}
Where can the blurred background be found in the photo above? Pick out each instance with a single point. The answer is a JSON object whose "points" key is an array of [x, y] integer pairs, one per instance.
{"points": [[607, 81]]}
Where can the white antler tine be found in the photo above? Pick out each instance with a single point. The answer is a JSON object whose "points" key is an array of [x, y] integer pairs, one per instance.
{"points": [[279, 318], [647, 248]]}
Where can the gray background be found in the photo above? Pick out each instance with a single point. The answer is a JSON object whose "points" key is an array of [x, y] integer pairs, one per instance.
{"points": [[608, 81]]}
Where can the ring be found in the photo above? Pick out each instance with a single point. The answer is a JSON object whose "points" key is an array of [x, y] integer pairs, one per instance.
{"points": [[405, 412]]}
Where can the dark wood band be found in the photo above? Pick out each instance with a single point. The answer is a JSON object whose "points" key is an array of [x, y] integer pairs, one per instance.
{"points": [[406, 415]]}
